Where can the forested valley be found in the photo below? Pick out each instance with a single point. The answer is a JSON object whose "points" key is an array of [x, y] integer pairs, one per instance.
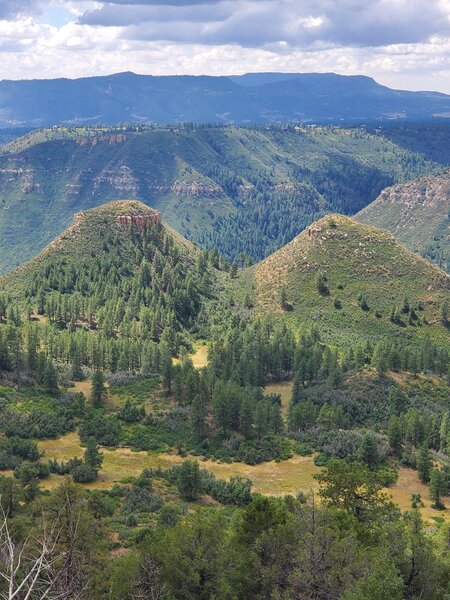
{"points": [[163, 437]]}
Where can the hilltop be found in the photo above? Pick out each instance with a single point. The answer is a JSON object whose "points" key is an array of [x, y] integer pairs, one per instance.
{"points": [[118, 271], [353, 281], [252, 98], [90, 236], [238, 190], [417, 213]]}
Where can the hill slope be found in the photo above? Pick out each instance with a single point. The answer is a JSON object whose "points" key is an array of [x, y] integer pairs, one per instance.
{"points": [[417, 213], [367, 275], [234, 189], [117, 270], [255, 98]]}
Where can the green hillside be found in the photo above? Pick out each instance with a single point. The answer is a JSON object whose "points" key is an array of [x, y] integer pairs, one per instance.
{"points": [[354, 282], [417, 213], [114, 284], [240, 190]]}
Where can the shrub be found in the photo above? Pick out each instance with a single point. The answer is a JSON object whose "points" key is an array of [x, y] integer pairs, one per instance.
{"points": [[140, 499], [84, 473], [105, 430]]}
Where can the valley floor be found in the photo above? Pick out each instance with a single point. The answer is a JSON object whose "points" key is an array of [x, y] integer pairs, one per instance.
{"points": [[271, 478]]}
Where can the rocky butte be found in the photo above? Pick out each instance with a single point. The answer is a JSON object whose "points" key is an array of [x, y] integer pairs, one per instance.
{"points": [[134, 220]]}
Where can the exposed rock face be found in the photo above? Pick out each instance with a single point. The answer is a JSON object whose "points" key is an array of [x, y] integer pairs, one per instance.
{"points": [[134, 220], [430, 190], [196, 189], [138, 222], [120, 179], [417, 213], [119, 138]]}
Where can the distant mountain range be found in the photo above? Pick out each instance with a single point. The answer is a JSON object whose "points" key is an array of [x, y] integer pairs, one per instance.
{"points": [[252, 98]]}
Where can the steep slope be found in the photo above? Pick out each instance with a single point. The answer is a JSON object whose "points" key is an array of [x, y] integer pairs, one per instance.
{"points": [[116, 270], [234, 189], [417, 213], [255, 98], [369, 284]]}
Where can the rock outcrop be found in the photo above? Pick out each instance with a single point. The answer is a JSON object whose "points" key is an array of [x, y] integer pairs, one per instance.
{"points": [[138, 222]]}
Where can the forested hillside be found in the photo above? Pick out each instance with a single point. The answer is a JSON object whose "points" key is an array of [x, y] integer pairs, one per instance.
{"points": [[417, 213], [237, 190], [277, 464], [353, 281]]}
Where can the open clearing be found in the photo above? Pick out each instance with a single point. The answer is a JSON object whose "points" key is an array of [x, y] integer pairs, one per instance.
{"points": [[284, 389], [199, 357], [271, 478]]}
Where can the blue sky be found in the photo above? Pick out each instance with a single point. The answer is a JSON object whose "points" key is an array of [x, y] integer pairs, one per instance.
{"points": [[402, 43]]}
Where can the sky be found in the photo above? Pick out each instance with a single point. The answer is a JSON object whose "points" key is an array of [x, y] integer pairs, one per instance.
{"points": [[404, 44]]}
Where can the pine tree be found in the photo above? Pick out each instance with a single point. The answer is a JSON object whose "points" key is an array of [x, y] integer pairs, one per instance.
{"points": [[189, 482], [50, 378], [92, 456], [246, 417], [222, 407], [98, 389], [276, 423], [444, 431], [395, 436], [77, 372], [436, 488], [166, 371], [261, 419], [368, 451], [424, 463], [198, 415]]}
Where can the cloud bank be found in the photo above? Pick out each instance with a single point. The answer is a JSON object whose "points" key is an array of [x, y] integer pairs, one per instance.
{"points": [[402, 43]]}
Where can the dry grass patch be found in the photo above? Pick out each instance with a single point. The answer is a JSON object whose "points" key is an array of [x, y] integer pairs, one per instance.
{"points": [[284, 389], [270, 478], [200, 356]]}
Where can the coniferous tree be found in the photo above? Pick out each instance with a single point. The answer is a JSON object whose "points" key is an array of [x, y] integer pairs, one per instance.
{"points": [[189, 483], [50, 378], [395, 436], [92, 456], [424, 463], [77, 372], [246, 417], [99, 391], [198, 416], [436, 488]]}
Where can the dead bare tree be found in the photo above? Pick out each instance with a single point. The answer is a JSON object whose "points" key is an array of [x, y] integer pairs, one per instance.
{"points": [[43, 566], [25, 566], [149, 585]]}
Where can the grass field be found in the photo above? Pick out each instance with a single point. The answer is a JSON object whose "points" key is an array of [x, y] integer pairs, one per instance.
{"points": [[271, 478]]}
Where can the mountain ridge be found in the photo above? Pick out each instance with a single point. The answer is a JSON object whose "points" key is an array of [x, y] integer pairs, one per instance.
{"points": [[239, 190], [418, 214], [251, 98]]}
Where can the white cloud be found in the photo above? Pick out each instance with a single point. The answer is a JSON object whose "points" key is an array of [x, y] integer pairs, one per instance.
{"points": [[402, 44]]}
